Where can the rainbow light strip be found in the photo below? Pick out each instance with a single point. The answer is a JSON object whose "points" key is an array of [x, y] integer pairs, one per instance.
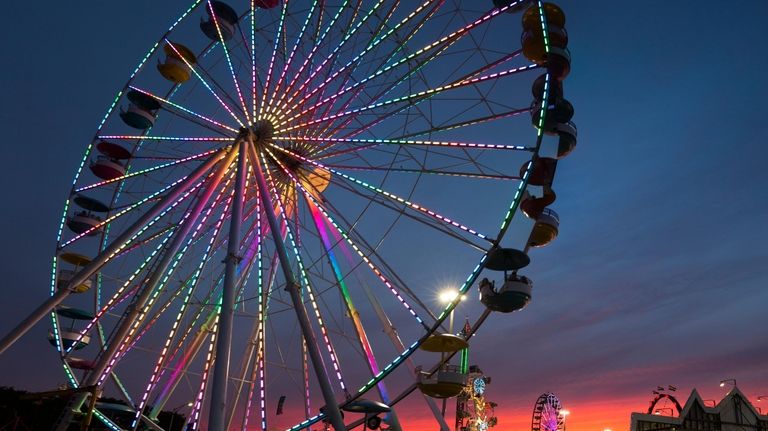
{"points": [[315, 204], [355, 316], [305, 282]]}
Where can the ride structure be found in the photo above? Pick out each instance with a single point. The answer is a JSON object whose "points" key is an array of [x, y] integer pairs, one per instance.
{"points": [[242, 227]]}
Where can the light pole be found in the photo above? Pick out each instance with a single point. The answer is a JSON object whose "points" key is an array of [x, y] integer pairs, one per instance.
{"points": [[565, 413], [448, 296], [730, 381]]}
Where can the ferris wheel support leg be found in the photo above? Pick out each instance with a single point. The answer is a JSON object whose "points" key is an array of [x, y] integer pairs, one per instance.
{"points": [[292, 286], [217, 415], [91, 268], [107, 358], [33, 318]]}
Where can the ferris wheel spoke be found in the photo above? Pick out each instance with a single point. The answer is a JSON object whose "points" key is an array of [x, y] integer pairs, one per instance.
{"points": [[183, 109], [309, 58], [131, 234], [124, 210], [192, 284], [147, 170], [270, 69], [388, 195], [442, 43], [229, 60], [351, 30], [204, 82], [318, 210], [410, 98], [370, 46], [477, 175], [287, 64], [363, 128], [306, 283]]}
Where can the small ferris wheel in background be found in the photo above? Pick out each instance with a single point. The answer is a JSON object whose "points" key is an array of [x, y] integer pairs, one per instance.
{"points": [[548, 414]]}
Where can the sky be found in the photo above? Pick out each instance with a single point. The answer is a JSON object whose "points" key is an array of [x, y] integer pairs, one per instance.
{"points": [[658, 276]]}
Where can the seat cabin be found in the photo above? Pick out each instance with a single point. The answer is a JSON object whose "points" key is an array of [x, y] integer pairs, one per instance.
{"points": [[558, 112], [70, 339], [567, 133], [80, 364], [449, 380], [222, 14], [545, 229], [178, 61], [65, 275], [141, 111], [111, 163], [513, 295], [85, 221], [71, 336], [266, 4], [542, 171], [550, 50], [533, 206]]}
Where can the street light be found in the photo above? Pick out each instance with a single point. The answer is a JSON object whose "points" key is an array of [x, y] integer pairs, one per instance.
{"points": [[762, 397], [447, 296], [565, 414], [731, 381]]}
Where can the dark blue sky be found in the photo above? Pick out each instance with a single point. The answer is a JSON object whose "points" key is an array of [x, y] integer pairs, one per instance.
{"points": [[658, 277]]}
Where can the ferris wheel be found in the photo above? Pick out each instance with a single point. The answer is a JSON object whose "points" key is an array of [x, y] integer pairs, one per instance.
{"points": [[251, 232], [548, 414]]}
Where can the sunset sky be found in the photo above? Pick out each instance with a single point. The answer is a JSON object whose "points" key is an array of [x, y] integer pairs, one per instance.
{"points": [[660, 271]]}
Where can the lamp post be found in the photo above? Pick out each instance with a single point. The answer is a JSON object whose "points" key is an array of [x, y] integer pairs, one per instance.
{"points": [[565, 413], [730, 381], [447, 296]]}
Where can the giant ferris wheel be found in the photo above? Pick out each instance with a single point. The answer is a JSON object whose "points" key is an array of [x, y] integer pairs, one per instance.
{"points": [[254, 231]]}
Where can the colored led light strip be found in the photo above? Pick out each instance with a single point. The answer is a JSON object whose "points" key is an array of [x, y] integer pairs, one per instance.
{"points": [[403, 142], [306, 284], [161, 358], [392, 196], [311, 56], [144, 171], [204, 82], [293, 52], [181, 108], [272, 60], [170, 138], [453, 37], [354, 315], [410, 97], [229, 61], [330, 56], [116, 296]]}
